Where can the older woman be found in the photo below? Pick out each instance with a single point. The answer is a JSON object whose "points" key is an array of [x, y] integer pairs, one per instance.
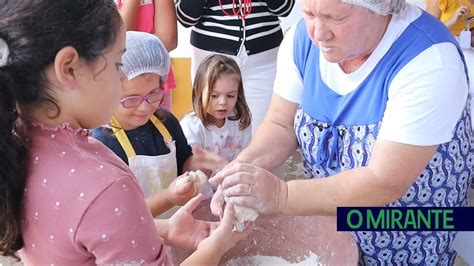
{"points": [[374, 94]]}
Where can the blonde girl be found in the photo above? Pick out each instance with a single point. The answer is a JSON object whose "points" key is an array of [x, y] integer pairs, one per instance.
{"points": [[221, 119]]}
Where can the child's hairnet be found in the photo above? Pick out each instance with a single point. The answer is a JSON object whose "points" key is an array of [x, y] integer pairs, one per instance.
{"points": [[382, 7], [145, 54]]}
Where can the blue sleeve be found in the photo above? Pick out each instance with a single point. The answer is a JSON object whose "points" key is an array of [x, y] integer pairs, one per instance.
{"points": [[106, 136], [183, 149]]}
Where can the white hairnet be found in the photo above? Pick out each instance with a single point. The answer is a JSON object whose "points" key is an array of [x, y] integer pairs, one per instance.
{"points": [[145, 54], [382, 7]]}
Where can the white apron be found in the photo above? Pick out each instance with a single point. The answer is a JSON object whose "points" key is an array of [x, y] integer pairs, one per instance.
{"points": [[154, 173]]}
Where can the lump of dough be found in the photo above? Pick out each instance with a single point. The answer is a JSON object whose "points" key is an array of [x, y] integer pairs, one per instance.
{"points": [[243, 215], [200, 183]]}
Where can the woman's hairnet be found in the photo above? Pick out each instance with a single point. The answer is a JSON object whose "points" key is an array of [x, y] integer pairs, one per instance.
{"points": [[144, 53], [382, 7]]}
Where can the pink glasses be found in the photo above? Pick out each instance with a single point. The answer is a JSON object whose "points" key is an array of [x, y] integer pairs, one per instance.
{"points": [[134, 101]]}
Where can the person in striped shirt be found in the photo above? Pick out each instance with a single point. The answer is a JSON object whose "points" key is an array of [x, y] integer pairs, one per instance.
{"points": [[248, 31]]}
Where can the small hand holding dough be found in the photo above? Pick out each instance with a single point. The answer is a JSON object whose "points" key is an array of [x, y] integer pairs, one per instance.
{"points": [[200, 183]]}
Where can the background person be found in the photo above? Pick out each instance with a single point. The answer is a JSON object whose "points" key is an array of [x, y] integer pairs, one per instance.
{"points": [[249, 31]]}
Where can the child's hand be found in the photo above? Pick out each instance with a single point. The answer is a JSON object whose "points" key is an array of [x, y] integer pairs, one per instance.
{"points": [[208, 162], [180, 194], [186, 232], [223, 237], [461, 12]]}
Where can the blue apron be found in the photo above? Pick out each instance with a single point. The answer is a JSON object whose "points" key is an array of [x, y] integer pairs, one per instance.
{"points": [[337, 133]]}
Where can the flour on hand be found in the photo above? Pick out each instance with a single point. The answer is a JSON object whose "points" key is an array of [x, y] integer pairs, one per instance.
{"points": [[199, 180], [243, 215]]}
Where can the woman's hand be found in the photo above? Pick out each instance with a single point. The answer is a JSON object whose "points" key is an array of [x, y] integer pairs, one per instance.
{"points": [[186, 232], [180, 194], [249, 186]]}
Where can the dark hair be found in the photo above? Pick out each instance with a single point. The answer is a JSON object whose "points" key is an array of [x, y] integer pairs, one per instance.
{"points": [[35, 31], [212, 68]]}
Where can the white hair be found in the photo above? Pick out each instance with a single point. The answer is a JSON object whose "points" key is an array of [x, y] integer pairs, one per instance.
{"points": [[382, 7]]}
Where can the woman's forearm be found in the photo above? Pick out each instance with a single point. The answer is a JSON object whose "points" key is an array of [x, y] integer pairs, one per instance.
{"points": [[270, 147], [274, 140], [322, 196], [392, 169]]}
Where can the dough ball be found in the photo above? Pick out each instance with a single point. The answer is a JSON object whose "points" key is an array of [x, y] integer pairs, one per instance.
{"points": [[243, 215], [199, 180]]}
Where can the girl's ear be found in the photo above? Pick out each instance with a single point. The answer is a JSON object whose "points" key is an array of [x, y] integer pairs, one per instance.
{"points": [[66, 65]]}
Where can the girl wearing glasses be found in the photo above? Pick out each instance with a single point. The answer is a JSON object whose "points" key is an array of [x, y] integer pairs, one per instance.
{"points": [[65, 198], [221, 119], [148, 138]]}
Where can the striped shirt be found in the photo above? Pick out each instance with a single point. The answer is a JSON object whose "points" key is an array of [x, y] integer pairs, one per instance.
{"points": [[215, 31]]}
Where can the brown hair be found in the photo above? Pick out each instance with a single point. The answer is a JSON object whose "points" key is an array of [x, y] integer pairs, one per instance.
{"points": [[211, 69], [35, 31]]}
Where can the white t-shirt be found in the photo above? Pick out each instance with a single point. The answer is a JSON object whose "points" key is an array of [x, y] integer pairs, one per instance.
{"points": [[425, 99], [226, 141]]}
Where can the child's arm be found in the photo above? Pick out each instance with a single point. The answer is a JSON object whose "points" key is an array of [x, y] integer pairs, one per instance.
{"points": [[204, 160], [189, 12], [165, 23], [211, 249], [118, 213], [212, 239], [461, 12], [170, 197], [129, 13], [158, 203], [433, 8]]}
